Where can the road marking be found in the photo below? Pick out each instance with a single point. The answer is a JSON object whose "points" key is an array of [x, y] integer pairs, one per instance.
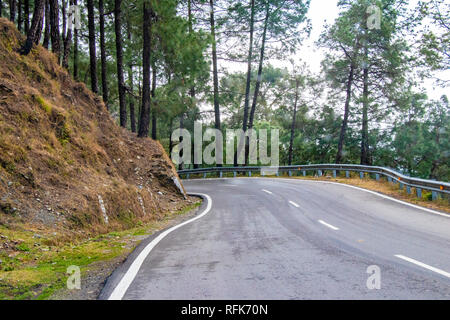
{"points": [[328, 225], [349, 186], [423, 265], [267, 191], [369, 191], [294, 204], [120, 290]]}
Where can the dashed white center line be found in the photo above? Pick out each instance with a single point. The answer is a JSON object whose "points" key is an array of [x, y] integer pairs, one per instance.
{"points": [[294, 204], [267, 191], [423, 265], [328, 225]]}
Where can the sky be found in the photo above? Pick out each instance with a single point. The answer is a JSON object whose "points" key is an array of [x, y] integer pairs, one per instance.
{"points": [[326, 11]]}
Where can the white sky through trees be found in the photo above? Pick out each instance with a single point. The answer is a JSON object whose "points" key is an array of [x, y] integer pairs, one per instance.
{"points": [[323, 12]]}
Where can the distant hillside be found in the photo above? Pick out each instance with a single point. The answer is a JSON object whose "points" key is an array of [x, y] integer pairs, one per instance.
{"points": [[64, 164]]}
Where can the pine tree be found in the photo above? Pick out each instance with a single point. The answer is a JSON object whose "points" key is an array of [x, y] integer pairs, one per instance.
{"points": [[34, 33], [54, 28], [92, 49], [147, 44], [101, 13]]}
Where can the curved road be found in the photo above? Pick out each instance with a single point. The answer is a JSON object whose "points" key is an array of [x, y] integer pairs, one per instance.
{"points": [[296, 239]]}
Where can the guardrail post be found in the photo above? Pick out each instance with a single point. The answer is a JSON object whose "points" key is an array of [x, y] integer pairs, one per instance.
{"points": [[419, 193], [347, 174], [278, 173], [204, 175], [334, 173], [401, 186], [249, 173], [234, 174], [319, 173], [389, 179], [304, 173], [434, 195], [377, 176], [220, 174], [187, 176], [290, 173], [361, 175], [408, 189]]}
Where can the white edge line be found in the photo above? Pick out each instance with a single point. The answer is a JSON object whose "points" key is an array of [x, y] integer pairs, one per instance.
{"points": [[267, 191], [294, 204], [120, 290], [423, 265], [375, 193], [328, 225]]}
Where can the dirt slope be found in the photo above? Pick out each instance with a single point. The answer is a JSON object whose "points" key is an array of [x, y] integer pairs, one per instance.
{"points": [[63, 159]]}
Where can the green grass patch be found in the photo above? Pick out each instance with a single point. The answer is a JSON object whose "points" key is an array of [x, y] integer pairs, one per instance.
{"points": [[34, 270], [43, 104]]}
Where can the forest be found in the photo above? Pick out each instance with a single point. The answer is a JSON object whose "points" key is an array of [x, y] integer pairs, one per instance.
{"points": [[159, 65]]}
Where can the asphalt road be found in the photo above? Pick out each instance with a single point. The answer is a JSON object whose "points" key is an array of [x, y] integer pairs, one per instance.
{"points": [[293, 239]]}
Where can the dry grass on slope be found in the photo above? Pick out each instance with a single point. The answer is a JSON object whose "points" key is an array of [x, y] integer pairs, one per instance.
{"points": [[60, 151]]}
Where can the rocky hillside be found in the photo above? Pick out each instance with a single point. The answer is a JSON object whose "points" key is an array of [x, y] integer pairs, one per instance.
{"points": [[65, 166]]}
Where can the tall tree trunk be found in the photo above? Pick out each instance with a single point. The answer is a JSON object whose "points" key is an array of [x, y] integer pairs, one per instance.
{"points": [[215, 71], [294, 119], [64, 21], [140, 98], [192, 89], [215, 78], [119, 60], [249, 67], [350, 79], [154, 129], [75, 50], [130, 80], [259, 78], [46, 42], [26, 15], [39, 30], [54, 28], [132, 109], [19, 15], [12, 10], [170, 140], [101, 12], [92, 50], [34, 34], [365, 128], [68, 42], [344, 125], [144, 121], [260, 67], [180, 165], [247, 83]]}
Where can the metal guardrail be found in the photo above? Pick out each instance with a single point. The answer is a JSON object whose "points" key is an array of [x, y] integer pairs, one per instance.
{"points": [[436, 187]]}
